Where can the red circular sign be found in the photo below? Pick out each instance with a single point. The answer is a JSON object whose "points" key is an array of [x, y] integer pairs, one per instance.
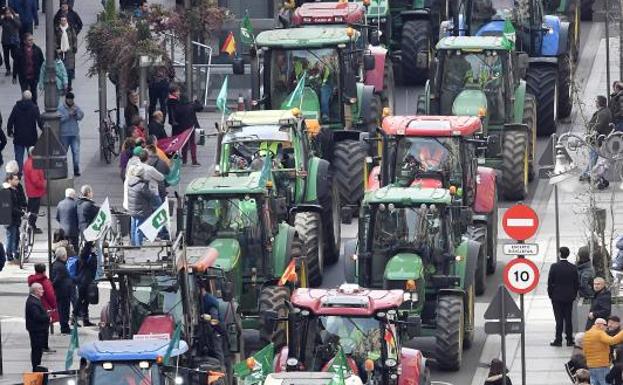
{"points": [[520, 222], [521, 275]]}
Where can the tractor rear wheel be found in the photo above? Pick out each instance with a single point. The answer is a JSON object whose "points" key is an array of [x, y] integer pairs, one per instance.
{"points": [[492, 237], [388, 97], [274, 298], [415, 46], [331, 216], [349, 157], [478, 233], [308, 225], [529, 119], [515, 165], [450, 332], [565, 98], [542, 82]]}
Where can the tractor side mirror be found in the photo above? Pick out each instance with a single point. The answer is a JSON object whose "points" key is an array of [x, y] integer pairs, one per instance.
{"points": [[238, 65], [375, 38], [368, 62], [227, 291]]}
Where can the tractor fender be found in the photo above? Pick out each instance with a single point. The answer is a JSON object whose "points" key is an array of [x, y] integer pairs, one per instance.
{"points": [[375, 76], [485, 191], [373, 179], [552, 38], [564, 43], [520, 99], [412, 363], [350, 264], [316, 168], [281, 246], [279, 365], [415, 14], [466, 267]]}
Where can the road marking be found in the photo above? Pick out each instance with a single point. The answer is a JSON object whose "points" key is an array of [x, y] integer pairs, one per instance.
{"points": [[519, 222]]}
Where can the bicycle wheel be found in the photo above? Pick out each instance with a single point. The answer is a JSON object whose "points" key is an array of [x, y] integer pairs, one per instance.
{"points": [[30, 243], [111, 139], [105, 148], [21, 250]]}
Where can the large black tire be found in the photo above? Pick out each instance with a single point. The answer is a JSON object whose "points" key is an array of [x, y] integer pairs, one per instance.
{"points": [[542, 82], [415, 42], [492, 238], [309, 228], [565, 99], [449, 333], [388, 97], [274, 298], [530, 119], [478, 233], [515, 165], [349, 157], [331, 215]]}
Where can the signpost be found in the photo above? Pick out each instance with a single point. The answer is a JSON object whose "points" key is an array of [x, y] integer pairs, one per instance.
{"points": [[521, 249], [520, 222]]}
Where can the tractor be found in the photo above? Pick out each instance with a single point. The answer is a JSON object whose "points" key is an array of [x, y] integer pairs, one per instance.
{"points": [[349, 331], [326, 64], [235, 218], [304, 184], [549, 42], [413, 237], [479, 76], [446, 149]]}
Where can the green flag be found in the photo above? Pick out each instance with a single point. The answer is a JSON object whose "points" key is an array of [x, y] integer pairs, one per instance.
{"points": [[158, 220], [296, 98], [339, 366], [175, 342], [263, 365], [100, 224], [508, 36], [74, 344], [246, 31], [221, 99]]}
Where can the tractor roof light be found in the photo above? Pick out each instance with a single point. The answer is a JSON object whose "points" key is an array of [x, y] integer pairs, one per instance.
{"points": [[250, 363], [368, 365], [296, 112], [159, 360], [269, 184], [313, 126], [452, 190], [366, 3], [350, 32], [386, 112], [234, 123], [410, 285], [482, 112], [458, 258]]}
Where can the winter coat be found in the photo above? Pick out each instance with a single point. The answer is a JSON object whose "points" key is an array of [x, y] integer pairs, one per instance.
{"points": [[497, 380], [67, 216], [62, 80], [87, 267], [10, 30], [597, 347], [37, 319], [73, 19], [34, 180], [49, 297], [69, 58], [19, 63], [63, 284], [69, 119], [129, 113], [600, 121], [163, 169], [563, 282], [133, 162], [157, 129], [22, 124], [617, 262], [87, 211], [16, 211], [153, 177], [601, 305], [586, 276], [139, 195], [26, 9], [186, 117], [615, 377]]}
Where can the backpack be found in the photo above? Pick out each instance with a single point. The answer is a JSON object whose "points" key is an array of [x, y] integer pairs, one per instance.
{"points": [[72, 267]]}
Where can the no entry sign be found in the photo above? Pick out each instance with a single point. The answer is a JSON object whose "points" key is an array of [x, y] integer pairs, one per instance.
{"points": [[521, 275], [520, 222]]}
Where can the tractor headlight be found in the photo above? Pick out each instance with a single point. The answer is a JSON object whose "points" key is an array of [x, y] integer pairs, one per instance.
{"points": [[413, 297], [390, 362]]}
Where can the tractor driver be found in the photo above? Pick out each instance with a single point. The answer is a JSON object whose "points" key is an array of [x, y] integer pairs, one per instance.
{"points": [[357, 340], [212, 332], [281, 73]]}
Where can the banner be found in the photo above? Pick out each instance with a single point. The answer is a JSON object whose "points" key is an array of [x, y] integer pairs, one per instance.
{"points": [[221, 99], [100, 224], [175, 143], [156, 222], [74, 344]]}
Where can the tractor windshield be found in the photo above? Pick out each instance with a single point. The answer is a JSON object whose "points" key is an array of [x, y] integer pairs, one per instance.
{"points": [[405, 227], [125, 373], [473, 71], [321, 68], [155, 295], [429, 155], [222, 218], [360, 338], [249, 155]]}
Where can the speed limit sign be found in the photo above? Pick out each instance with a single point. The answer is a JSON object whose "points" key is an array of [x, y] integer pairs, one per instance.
{"points": [[521, 275]]}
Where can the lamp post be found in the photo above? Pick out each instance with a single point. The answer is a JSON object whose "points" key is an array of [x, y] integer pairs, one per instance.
{"points": [[188, 57]]}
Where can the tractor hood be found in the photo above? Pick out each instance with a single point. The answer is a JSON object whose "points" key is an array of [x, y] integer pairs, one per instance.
{"points": [[404, 266], [228, 253], [469, 103]]}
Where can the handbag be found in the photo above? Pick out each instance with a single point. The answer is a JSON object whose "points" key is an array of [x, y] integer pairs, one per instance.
{"points": [[93, 295]]}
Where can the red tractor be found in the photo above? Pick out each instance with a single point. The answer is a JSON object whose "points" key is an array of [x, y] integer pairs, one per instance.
{"points": [[365, 325], [443, 152]]}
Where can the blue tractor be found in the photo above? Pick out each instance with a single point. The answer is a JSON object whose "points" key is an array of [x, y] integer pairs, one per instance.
{"points": [[547, 39]]}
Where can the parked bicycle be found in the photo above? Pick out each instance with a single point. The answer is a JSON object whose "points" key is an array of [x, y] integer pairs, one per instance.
{"points": [[26, 238], [110, 137]]}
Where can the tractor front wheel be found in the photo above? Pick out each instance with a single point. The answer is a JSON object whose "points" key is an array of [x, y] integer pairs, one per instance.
{"points": [[274, 298], [565, 98], [349, 157], [542, 82], [309, 228], [515, 165], [415, 46], [478, 233], [450, 332], [492, 237], [530, 119]]}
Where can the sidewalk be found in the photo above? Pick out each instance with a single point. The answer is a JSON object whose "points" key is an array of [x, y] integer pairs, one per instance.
{"points": [[544, 363]]}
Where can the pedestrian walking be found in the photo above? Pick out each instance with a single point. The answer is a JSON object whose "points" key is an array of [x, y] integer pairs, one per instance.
{"points": [[140, 200], [71, 115], [598, 125], [597, 350], [159, 84], [186, 117], [27, 11], [616, 105], [601, 304], [37, 323], [63, 287], [161, 167], [87, 269], [61, 78], [67, 47], [496, 372], [87, 211], [48, 300], [131, 111], [142, 11], [67, 217], [562, 288], [27, 65], [12, 230], [35, 183], [156, 125], [22, 126], [72, 16], [11, 24], [173, 102], [127, 151], [585, 273]]}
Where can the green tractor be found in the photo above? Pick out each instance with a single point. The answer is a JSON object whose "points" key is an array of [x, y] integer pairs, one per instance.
{"points": [[235, 218], [319, 69], [304, 185], [479, 76], [412, 238]]}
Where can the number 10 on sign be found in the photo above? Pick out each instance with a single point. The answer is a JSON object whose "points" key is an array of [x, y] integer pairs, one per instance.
{"points": [[521, 275]]}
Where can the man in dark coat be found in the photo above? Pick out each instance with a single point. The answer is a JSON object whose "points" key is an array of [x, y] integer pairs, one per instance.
{"points": [[63, 287], [601, 304], [186, 117], [67, 216], [27, 65], [87, 211], [72, 17], [86, 274], [598, 125], [37, 323], [562, 288], [22, 126], [27, 11], [173, 101]]}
